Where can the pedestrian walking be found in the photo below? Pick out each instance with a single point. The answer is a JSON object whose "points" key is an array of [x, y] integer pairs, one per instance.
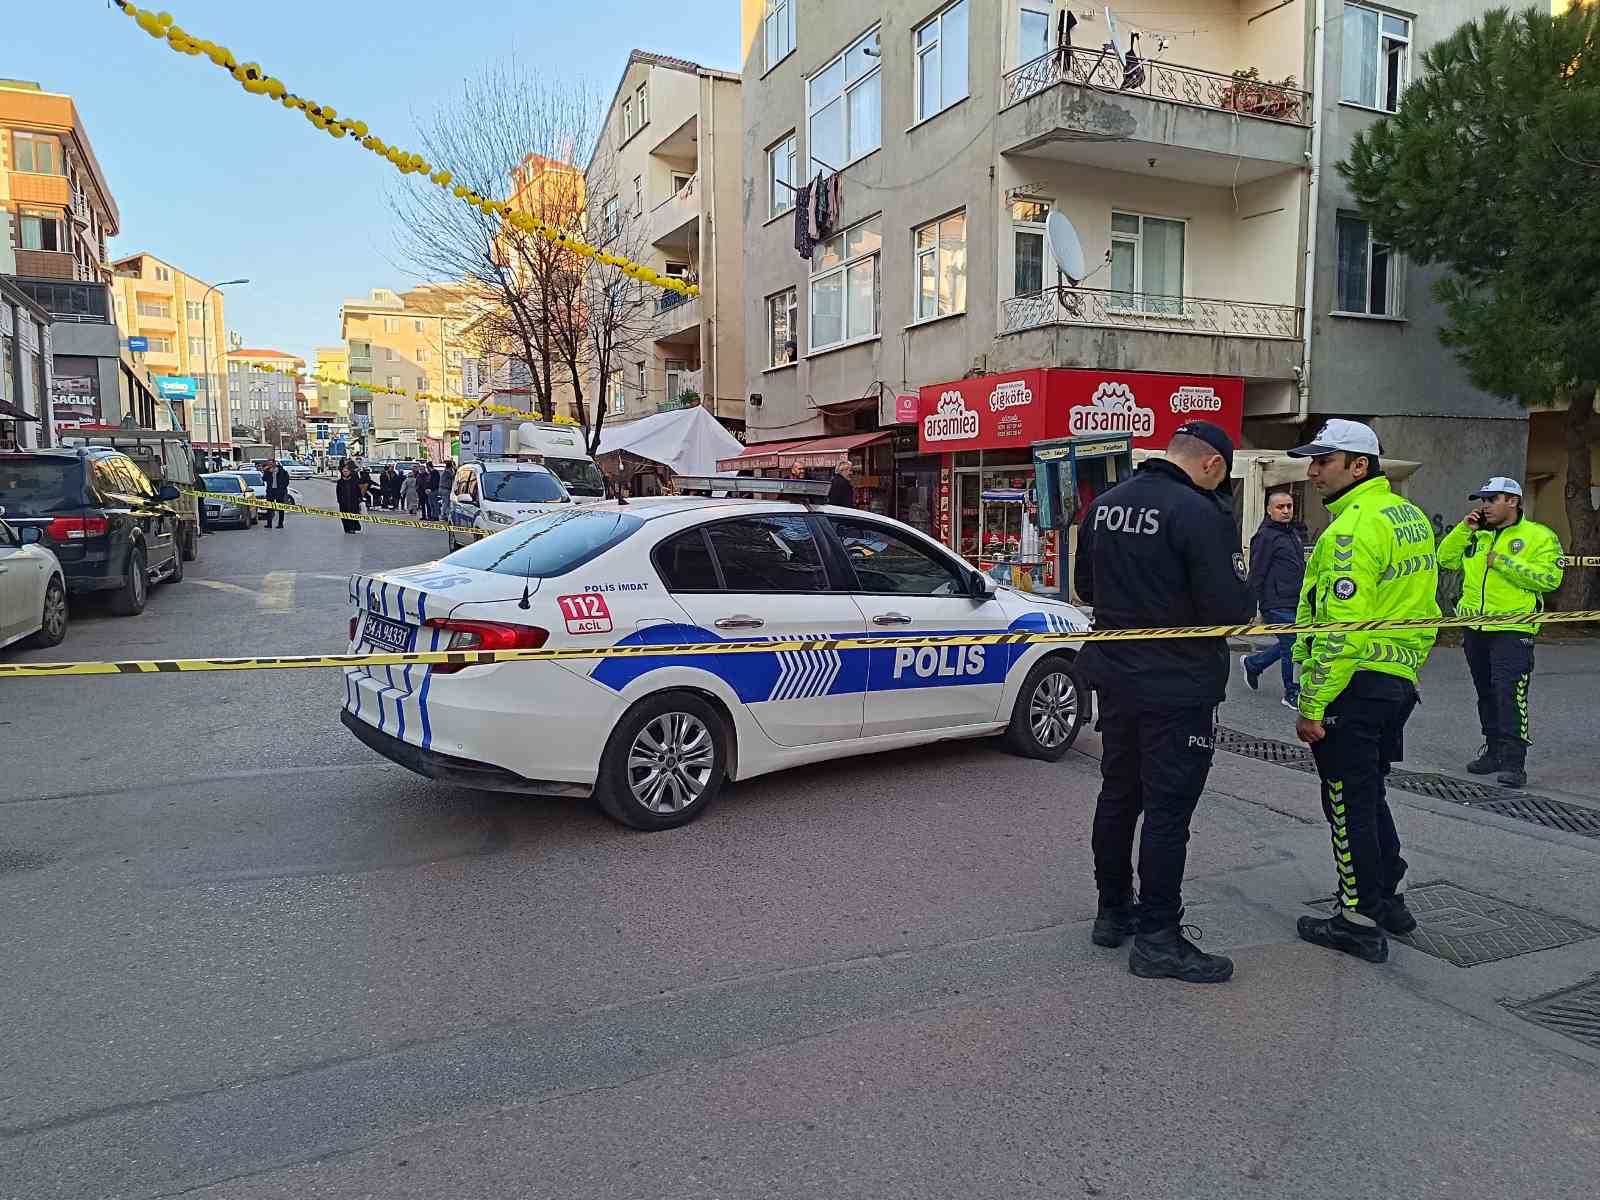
{"points": [[1277, 571], [434, 494], [408, 492], [348, 492], [1508, 565], [447, 484], [1375, 561], [277, 481], [369, 486], [1159, 549], [389, 486], [425, 485], [841, 490]]}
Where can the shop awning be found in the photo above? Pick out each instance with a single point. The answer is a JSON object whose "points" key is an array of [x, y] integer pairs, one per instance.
{"points": [[812, 452]]}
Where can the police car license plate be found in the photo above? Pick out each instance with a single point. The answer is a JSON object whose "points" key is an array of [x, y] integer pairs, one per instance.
{"points": [[387, 634]]}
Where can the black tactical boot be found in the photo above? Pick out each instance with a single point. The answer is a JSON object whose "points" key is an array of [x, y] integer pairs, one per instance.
{"points": [[1167, 954], [1513, 759], [1396, 918], [1363, 941], [1487, 762], [1116, 920]]}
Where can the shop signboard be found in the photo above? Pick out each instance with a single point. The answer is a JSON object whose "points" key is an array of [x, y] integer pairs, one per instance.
{"points": [[906, 406], [75, 399], [988, 413], [176, 387], [1015, 409]]}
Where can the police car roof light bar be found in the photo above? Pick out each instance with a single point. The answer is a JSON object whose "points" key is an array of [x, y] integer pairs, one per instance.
{"points": [[744, 485]]}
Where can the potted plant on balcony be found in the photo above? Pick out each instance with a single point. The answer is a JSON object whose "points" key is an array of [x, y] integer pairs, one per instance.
{"points": [[1249, 93]]}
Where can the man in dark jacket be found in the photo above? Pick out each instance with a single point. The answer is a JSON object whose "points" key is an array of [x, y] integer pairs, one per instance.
{"points": [[1277, 573], [1159, 550], [277, 481], [840, 489]]}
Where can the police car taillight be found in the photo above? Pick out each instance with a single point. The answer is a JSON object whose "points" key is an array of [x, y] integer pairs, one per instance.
{"points": [[485, 635]]}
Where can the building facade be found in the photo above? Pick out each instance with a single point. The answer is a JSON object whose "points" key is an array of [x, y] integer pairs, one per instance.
{"points": [[25, 370], [262, 397], [664, 183], [409, 341], [182, 322], [1221, 257]]}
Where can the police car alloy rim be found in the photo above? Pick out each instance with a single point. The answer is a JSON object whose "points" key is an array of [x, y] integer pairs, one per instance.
{"points": [[671, 761], [1052, 709]]}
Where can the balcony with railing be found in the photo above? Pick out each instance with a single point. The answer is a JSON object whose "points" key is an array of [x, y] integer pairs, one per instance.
{"points": [[1089, 105], [677, 317], [1143, 331], [675, 220]]}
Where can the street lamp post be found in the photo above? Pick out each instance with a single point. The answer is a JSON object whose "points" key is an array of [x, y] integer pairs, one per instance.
{"points": [[205, 341]]}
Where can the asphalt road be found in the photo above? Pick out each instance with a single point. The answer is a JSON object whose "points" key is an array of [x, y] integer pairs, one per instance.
{"points": [[244, 957]]}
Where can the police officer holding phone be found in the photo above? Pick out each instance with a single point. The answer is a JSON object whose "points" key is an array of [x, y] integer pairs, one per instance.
{"points": [[1159, 550]]}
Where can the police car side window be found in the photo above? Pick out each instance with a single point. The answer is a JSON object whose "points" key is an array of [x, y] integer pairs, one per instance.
{"points": [[886, 562], [686, 564], [768, 554]]}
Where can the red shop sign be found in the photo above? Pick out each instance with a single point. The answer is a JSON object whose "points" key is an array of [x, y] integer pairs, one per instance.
{"points": [[1146, 407], [992, 412]]}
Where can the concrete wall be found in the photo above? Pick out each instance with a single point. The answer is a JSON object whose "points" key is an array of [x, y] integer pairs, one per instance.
{"points": [[1456, 457]]}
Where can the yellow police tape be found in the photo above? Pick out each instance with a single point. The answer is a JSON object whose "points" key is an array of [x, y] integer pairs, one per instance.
{"points": [[1580, 560], [310, 511], [472, 658]]}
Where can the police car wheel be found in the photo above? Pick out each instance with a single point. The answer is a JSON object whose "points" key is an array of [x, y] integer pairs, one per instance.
{"points": [[664, 764], [1049, 712]]}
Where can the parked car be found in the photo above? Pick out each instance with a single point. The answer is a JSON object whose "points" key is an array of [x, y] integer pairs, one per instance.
{"points": [[295, 470], [108, 525], [33, 589], [165, 456], [219, 510], [257, 483]]}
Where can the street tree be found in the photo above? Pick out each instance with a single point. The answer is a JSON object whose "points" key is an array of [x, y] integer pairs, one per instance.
{"points": [[534, 307], [1491, 170]]}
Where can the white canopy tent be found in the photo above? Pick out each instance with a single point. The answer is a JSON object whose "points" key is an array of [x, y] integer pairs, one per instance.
{"points": [[688, 441]]}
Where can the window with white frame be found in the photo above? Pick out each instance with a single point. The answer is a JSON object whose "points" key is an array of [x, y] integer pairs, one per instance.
{"points": [[163, 275], [452, 358], [1376, 60], [781, 180], [197, 347], [676, 369], [783, 334], [391, 324], [940, 248], [1028, 216], [37, 153], [1033, 32], [1368, 271], [644, 387], [638, 195], [394, 412], [608, 217], [390, 354], [778, 31], [1147, 263], [941, 63], [844, 107], [155, 308], [195, 309], [422, 354], [160, 345], [619, 402], [393, 381], [845, 286], [643, 97], [627, 119], [422, 383], [41, 232]]}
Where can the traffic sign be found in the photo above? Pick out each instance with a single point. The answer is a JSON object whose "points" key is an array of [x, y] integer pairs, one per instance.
{"points": [[138, 345]]}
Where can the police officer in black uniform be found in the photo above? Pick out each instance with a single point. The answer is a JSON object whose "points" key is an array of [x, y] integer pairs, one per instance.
{"points": [[1159, 550]]}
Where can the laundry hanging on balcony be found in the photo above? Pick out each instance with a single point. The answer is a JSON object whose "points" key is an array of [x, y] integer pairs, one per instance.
{"points": [[1132, 67], [804, 243], [816, 212]]}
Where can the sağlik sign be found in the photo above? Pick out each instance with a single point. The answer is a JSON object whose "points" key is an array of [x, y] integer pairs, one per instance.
{"points": [[1017, 408]]}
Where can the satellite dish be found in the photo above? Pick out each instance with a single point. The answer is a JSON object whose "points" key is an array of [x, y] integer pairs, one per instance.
{"points": [[1064, 246]]}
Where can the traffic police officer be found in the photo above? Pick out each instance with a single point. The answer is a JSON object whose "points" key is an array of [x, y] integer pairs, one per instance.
{"points": [[1159, 550], [1508, 564], [1376, 561]]}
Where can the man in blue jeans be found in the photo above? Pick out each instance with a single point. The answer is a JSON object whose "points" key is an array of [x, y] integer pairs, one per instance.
{"points": [[1277, 573]]}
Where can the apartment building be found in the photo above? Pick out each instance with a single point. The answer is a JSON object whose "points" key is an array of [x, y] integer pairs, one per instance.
{"points": [[334, 398], [261, 397], [410, 341], [182, 321], [664, 186], [1195, 161]]}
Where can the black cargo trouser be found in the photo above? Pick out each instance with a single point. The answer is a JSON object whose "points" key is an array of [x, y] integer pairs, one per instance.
{"points": [[1501, 663], [1154, 760], [1365, 726]]}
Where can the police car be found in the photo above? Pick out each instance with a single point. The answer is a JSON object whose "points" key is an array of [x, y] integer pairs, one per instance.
{"points": [[653, 739], [488, 496]]}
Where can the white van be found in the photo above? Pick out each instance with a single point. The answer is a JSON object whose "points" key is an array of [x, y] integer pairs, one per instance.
{"points": [[560, 449]]}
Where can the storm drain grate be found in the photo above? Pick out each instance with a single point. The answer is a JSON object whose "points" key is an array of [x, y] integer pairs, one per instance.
{"points": [[1575, 1012], [1553, 813], [1468, 929], [1524, 806]]}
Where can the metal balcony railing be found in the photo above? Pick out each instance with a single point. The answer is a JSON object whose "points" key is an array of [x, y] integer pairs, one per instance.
{"points": [[1159, 81], [668, 301], [1139, 310]]}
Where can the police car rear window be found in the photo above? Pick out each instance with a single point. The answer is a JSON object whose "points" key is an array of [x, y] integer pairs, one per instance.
{"points": [[548, 545]]}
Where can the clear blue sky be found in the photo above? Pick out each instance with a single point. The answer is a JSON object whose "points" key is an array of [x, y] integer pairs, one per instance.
{"points": [[228, 185]]}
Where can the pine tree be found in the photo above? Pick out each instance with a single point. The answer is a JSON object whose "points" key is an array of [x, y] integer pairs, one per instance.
{"points": [[1491, 169]]}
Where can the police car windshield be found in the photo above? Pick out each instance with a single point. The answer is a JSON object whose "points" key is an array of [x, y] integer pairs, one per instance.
{"points": [[521, 487], [222, 483], [548, 545], [580, 475]]}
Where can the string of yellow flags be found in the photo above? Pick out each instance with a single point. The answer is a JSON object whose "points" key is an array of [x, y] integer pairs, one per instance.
{"points": [[504, 410], [255, 80]]}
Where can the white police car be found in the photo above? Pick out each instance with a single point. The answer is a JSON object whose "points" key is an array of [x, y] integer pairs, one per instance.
{"points": [[488, 496], [654, 738]]}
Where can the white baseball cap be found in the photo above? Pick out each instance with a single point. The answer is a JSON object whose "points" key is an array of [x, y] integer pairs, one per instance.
{"points": [[1498, 486], [1352, 436]]}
